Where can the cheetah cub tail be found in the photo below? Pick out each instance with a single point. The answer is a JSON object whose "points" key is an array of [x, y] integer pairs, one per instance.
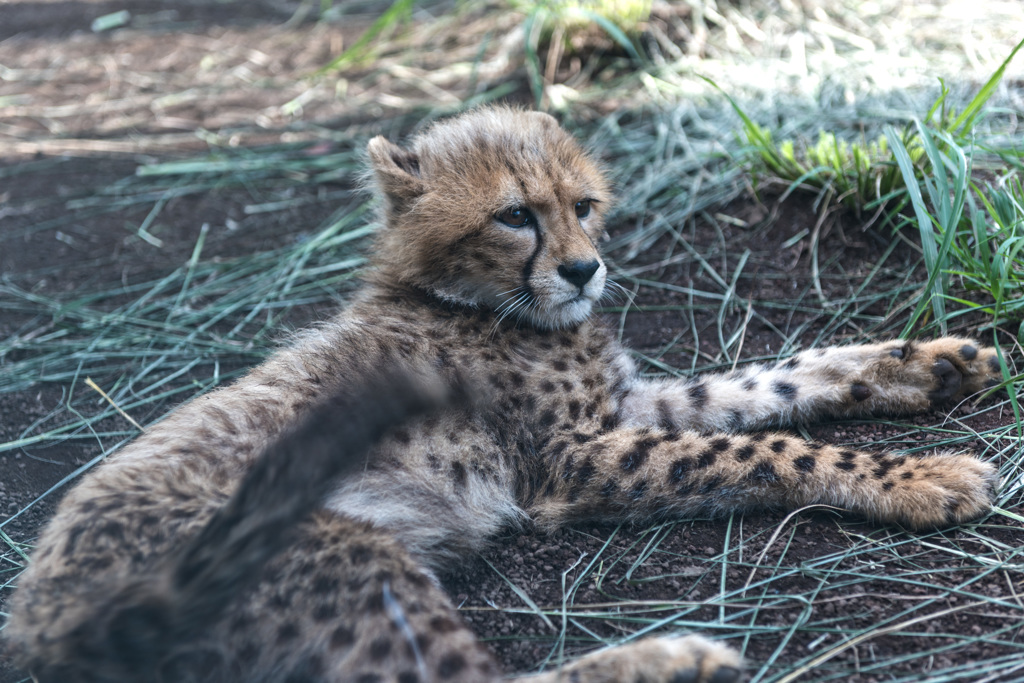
{"points": [[148, 619]]}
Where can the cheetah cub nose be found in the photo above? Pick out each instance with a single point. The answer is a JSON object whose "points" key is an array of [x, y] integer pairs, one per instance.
{"points": [[579, 272]]}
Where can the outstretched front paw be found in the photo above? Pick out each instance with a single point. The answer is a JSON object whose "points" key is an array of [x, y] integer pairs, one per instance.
{"points": [[959, 368], [909, 377]]}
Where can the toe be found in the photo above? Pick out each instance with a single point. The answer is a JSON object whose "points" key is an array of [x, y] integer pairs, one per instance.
{"points": [[949, 381], [726, 674]]}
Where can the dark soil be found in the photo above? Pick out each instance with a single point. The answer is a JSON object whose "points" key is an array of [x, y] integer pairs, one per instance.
{"points": [[83, 250]]}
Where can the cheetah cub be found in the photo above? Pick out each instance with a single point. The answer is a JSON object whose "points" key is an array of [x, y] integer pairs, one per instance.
{"points": [[289, 527]]}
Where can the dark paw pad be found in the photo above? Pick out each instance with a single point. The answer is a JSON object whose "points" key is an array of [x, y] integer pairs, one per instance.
{"points": [[968, 352], [860, 392], [688, 675], [993, 366], [949, 381], [726, 674], [896, 353]]}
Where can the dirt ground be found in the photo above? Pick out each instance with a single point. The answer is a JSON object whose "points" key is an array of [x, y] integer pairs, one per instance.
{"points": [[48, 45]]}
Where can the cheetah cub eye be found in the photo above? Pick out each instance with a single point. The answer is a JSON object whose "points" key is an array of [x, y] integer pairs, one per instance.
{"points": [[518, 217], [583, 208]]}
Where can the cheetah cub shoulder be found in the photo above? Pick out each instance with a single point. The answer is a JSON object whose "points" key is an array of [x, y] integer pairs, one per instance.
{"points": [[288, 527]]}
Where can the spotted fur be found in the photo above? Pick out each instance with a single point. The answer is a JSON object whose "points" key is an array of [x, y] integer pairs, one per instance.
{"points": [[485, 275]]}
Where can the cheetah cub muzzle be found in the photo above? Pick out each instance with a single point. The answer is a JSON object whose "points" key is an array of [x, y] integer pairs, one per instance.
{"points": [[289, 527]]}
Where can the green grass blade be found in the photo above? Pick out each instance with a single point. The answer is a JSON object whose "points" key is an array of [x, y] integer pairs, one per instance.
{"points": [[965, 121]]}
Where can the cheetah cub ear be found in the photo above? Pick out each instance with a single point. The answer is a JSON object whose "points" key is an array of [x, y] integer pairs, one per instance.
{"points": [[396, 171]]}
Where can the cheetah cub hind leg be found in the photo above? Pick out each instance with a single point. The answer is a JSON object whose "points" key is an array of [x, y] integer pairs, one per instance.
{"points": [[687, 659], [136, 629]]}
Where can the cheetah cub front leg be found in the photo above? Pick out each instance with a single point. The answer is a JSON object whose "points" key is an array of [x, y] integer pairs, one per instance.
{"points": [[689, 659], [888, 378]]}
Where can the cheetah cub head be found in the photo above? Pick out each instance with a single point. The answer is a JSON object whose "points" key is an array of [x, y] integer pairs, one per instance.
{"points": [[499, 209]]}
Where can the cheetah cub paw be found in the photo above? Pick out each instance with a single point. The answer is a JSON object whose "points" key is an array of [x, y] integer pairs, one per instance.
{"points": [[944, 490], [687, 659], [909, 377]]}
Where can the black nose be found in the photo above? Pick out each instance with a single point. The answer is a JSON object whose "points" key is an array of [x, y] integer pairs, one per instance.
{"points": [[579, 272]]}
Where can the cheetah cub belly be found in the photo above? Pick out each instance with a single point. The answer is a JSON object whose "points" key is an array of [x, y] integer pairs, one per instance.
{"points": [[288, 527]]}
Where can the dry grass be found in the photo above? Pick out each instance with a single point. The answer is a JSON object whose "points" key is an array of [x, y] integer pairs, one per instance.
{"points": [[251, 84]]}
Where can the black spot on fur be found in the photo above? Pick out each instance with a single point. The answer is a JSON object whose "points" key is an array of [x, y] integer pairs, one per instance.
{"points": [[443, 624], [360, 554], [586, 471], [698, 394], [736, 420], [706, 459], [778, 446], [547, 387], [710, 485], [680, 468], [287, 632], [560, 365], [451, 664], [805, 463], [791, 363], [458, 475], [720, 444], [637, 455], [324, 612], [665, 419], [785, 390], [846, 465], [581, 438], [883, 469], [380, 648], [907, 475], [574, 409], [408, 677], [887, 485], [746, 452], [423, 642], [610, 488], [847, 455], [547, 418], [374, 603], [749, 384], [72, 539], [763, 473], [638, 490], [324, 585]]}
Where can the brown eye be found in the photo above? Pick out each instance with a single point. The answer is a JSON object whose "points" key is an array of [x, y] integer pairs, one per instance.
{"points": [[516, 217], [583, 208]]}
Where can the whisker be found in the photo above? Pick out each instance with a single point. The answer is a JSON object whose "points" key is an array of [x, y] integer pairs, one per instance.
{"points": [[507, 308], [514, 289]]}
